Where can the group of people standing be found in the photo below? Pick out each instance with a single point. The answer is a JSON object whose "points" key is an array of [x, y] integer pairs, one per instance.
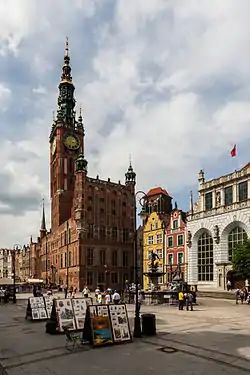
{"points": [[185, 299], [107, 296], [242, 295]]}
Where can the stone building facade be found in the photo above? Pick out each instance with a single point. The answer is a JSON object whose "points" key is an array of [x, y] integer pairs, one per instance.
{"points": [[216, 223], [6, 264], [91, 240]]}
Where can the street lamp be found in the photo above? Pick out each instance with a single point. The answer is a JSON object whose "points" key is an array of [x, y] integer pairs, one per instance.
{"points": [[137, 320], [16, 248], [27, 249], [67, 255], [46, 258]]}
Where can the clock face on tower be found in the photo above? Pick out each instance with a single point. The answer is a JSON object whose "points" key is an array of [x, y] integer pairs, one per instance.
{"points": [[53, 146], [71, 142]]}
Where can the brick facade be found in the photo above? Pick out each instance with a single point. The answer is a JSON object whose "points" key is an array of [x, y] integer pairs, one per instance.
{"points": [[92, 220]]}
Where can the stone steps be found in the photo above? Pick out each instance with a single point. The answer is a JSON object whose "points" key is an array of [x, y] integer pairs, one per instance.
{"points": [[216, 294]]}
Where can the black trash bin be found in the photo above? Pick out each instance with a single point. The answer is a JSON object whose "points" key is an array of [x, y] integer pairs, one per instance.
{"points": [[148, 325]]}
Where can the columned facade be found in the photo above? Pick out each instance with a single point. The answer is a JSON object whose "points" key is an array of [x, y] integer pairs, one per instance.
{"points": [[215, 228]]}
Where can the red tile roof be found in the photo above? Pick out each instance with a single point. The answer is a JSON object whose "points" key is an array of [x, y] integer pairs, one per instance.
{"points": [[157, 191]]}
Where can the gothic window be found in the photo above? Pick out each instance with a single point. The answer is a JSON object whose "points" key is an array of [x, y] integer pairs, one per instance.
{"points": [[114, 233], [102, 257], [205, 257], [114, 258], [125, 259], [235, 237], [90, 257], [91, 231], [102, 232], [89, 278]]}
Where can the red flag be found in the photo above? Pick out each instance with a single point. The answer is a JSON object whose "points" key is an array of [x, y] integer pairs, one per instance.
{"points": [[233, 151]]}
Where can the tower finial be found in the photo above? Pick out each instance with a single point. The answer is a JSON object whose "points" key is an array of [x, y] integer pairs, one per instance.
{"points": [[67, 47]]}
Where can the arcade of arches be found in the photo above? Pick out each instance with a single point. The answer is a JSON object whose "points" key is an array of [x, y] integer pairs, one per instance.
{"points": [[206, 253]]}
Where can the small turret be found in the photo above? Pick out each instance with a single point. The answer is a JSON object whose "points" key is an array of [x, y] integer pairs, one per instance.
{"points": [[81, 164], [130, 176], [80, 121]]}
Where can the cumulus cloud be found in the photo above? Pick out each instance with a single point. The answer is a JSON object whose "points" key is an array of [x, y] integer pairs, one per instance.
{"points": [[165, 81]]}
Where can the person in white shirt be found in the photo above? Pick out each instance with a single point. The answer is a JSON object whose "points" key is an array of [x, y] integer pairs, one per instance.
{"points": [[99, 299], [107, 298], [85, 292], [116, 298]]}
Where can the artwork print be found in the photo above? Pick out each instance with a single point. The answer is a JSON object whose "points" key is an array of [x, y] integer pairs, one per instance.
{"points": [[79, 309], [65, 314], [119, 323]]}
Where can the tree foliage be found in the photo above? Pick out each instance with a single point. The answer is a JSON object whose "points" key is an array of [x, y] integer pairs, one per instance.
{"points": [[241, 259]]}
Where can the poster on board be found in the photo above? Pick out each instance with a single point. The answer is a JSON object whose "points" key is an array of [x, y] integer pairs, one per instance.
{"points": [[100, 326], [48, 300], [119, 323], [65, 314], [79, 309], [38, 310]]}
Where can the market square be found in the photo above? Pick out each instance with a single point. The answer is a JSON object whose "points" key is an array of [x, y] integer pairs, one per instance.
{"points": [[213, 337]]}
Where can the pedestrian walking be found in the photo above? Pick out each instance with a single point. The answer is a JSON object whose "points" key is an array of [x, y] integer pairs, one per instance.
{"points": [[116, 298]]}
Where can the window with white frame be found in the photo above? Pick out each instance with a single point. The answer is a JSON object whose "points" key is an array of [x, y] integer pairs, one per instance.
{"points": [[159, 238], [180, 257], [150, 240], [180, 240], [159, 253], [156, 225], [170, 258], [170, 241], [175, 224]]}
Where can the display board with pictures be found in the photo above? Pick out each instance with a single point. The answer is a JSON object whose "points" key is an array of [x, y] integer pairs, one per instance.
{"points": [[36, 308], [100, 325], [79, 310], [119, 323], [48, 300], [65, 314]]}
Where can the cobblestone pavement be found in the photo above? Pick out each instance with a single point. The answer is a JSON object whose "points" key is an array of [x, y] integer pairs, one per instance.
{"points": [[215, 338]]}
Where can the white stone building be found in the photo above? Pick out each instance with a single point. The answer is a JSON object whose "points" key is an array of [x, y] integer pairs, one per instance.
{"points": [[215, 224], [5, 264]]}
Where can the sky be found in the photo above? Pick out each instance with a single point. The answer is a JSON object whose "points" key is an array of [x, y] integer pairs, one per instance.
{"points": [[165, 81]]}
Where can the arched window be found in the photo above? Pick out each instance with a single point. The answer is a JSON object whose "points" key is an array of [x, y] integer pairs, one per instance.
{"points": [[235, 238], [205, 257]]}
